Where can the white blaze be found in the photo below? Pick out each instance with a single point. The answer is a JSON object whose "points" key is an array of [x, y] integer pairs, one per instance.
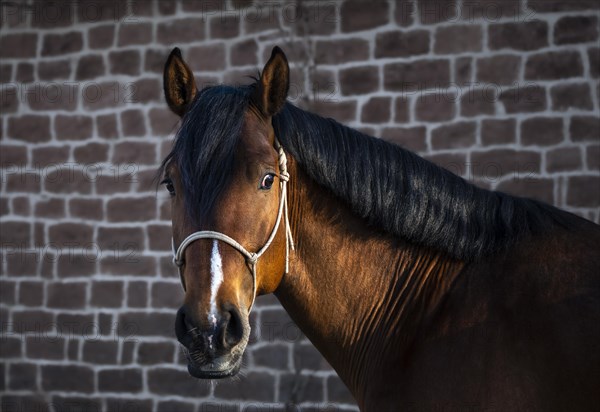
{"points": [[216, 278]]}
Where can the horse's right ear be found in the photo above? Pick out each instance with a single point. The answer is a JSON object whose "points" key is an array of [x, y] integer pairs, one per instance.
{"points": [[178, 83]]}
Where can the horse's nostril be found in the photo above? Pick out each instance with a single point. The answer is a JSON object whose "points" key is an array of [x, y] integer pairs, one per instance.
{"points": [[234, 329], [182, 328]]}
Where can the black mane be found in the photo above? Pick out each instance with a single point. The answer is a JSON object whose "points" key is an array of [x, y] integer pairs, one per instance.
{"points": [[406, 195], [392, 188]]}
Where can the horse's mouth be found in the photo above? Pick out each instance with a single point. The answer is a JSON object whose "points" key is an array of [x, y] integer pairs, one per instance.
{"points": [[217, 368], [202, 373]]}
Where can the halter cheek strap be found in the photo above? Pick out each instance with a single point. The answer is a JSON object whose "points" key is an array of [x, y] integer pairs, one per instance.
{"points": [[251, 258]]}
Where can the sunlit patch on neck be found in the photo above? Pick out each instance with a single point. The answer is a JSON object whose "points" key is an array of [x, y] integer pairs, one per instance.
{"points": [[216, 278]]}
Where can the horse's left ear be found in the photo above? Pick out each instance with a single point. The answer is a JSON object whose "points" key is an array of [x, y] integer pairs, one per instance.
{"points": [[273, 86]]}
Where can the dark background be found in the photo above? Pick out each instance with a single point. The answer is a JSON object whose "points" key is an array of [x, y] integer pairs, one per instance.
{"points": [[505, 93]]}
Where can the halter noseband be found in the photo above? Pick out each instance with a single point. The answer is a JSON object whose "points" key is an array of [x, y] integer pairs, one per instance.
{"points": [[251, 258]]}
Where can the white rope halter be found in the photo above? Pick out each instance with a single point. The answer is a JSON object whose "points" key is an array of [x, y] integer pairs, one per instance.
{"points": [[251, 258]]}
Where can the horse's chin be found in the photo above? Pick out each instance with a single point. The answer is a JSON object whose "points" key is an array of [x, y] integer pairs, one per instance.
{"points": [[217, 369], [200, 373]]}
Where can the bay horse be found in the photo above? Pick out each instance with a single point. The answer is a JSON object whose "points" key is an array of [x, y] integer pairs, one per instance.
{"points": [[422, 291]]}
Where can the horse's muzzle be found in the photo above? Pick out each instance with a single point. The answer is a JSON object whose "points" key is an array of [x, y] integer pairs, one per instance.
{"points": [[214, 348]]}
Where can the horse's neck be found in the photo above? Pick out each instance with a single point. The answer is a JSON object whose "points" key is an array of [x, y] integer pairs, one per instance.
{"points": [[358, 295]]}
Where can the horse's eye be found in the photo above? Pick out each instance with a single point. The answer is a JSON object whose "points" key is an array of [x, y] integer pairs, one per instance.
{"points": [[169, 185], [267, 181]]}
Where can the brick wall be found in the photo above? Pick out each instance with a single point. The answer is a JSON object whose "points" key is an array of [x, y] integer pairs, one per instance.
{"points": [[505, 93]]}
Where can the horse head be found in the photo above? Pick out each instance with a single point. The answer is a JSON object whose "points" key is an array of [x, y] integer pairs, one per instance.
{"points": [[226, 176]]}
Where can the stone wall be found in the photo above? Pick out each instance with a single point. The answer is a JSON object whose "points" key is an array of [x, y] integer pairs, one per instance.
{"points": [[504, 93]]}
